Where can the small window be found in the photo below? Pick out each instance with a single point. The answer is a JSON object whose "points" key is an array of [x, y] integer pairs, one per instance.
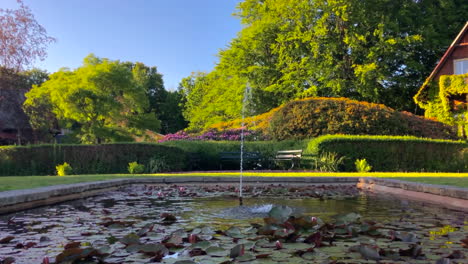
{"points": [[461, 66]]}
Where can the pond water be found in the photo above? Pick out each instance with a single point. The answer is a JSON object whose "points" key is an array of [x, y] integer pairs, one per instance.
{"points": [[203, 224]]}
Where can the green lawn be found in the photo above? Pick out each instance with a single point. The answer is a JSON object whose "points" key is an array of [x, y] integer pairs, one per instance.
{"points": [[457, 181], [26, 182]]}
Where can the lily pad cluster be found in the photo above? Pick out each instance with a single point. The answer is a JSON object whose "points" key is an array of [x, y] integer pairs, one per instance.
{"points": [[169, 224]]}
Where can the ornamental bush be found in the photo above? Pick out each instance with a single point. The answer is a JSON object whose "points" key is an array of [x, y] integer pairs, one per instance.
{"points": [[135, 168], [395, 153], [362, 165], [312, 117], [214, 135], [63, 169]]}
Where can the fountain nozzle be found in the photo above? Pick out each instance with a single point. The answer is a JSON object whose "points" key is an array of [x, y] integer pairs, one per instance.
{"points": [[241, 202]]}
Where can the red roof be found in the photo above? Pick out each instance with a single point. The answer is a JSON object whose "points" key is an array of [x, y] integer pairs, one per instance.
{"points": [[443, 60], [447, 54]]}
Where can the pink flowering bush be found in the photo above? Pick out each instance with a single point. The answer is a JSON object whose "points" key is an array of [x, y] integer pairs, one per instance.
{"points": [[226, 135]]}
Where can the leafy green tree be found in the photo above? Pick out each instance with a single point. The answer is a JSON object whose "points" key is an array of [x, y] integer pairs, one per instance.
{"points": [[102, 100], [205, 105], [165, 104], [374, 50], [170, 113]]}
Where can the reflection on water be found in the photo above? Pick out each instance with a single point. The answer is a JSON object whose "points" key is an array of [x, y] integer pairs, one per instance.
{"points": [[84, 220], [379, 208]]}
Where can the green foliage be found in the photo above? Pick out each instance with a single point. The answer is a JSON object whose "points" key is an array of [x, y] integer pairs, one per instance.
{"points": [[103, 100], [205, 105], [86, 159], [135, 168], [204, 155], [113, 158], [156, 165], [328, 161], [63, 169], [312, 117], [165, 104], [362, 165], [373, 50], [170, 112], [447, 101], [395, 153]]}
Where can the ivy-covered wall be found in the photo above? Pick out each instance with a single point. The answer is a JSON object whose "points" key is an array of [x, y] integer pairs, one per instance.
{"points": [[435, 100]]}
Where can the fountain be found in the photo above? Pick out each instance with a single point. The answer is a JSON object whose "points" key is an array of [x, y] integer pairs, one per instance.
{"points": [[247, 95]]}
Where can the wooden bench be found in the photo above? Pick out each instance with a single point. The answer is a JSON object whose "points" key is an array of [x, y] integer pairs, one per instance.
{"points": [[289, 155], [250, 159]]}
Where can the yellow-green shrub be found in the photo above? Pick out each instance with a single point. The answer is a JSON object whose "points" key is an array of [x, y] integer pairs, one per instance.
{"points": [[312, 117], [63, 169]]}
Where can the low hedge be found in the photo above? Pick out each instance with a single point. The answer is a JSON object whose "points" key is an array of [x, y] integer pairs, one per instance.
{"points": [[395, 153], [87, 159], [312, 117]]}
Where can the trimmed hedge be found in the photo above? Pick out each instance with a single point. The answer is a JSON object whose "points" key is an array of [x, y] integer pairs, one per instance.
{"points": [[312, 117], [204, 155], [86, 159], [395, 153], [114, 158]]}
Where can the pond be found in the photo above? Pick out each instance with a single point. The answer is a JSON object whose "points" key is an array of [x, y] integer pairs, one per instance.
{"points": [[203, 224]]}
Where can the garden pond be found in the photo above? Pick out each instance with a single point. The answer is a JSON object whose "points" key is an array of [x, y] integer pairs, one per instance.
{"points": [[203, 224]]}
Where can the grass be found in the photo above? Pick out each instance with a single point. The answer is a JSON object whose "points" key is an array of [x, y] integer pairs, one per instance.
{"points": [[27, 182]]}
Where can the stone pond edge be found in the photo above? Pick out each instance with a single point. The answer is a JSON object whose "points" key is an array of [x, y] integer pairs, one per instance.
{"points": [[17, 200]]}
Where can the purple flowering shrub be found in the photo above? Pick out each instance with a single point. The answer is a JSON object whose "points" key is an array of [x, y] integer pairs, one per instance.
{"points": [[225, 135]]}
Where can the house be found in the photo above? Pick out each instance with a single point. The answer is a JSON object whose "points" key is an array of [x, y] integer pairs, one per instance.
{"points": [[444, 94], [14, 123]]}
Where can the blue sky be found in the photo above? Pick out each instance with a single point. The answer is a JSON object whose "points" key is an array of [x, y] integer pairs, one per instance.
{"points": [[177, 36]]}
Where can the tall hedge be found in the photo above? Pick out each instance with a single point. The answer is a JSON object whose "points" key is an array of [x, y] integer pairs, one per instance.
{"points": [[395, 153], [114, 158], [86, 159], [317, 116]]}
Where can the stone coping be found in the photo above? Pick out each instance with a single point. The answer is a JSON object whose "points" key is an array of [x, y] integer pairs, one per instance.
{"points": [[17, 200], [442, 190]]}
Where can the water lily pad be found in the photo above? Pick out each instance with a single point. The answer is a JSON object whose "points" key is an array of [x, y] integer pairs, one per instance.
{"points": [[217, 251], [369, 252], [237, 251], [246, 257], [6, 239], [280, 213], [130, 239], [202, 245], [280, 256], [234, 232], [347, 219], [185, 262]]}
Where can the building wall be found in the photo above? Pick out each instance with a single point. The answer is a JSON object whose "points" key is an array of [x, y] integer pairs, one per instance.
{"points": [[460, 52]]}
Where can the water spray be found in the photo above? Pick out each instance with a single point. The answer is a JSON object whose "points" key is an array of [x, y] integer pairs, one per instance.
{"points": [[244, 102]]}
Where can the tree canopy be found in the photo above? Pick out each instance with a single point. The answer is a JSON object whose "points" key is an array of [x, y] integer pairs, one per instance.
{"points": [[22, 38], [373, 50], [102, 100]]}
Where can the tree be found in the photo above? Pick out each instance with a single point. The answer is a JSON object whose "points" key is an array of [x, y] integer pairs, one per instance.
{"points": [[170, 113], [374, 50], [22, 38], [165, 104], [206, 96], [102, 100]]}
